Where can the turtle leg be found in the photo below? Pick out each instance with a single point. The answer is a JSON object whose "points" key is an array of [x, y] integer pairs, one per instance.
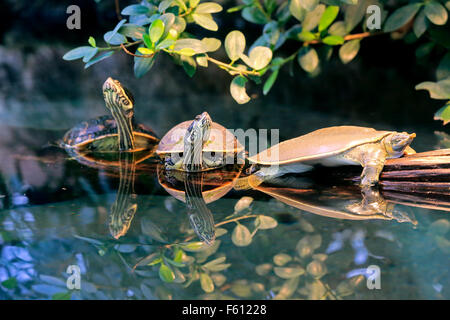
{"points": [[169, 163]]}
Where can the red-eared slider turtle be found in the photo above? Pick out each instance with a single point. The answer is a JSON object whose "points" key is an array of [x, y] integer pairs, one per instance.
{"points": [[197, 189], [199, 145], [334, 146], [115, 133]]}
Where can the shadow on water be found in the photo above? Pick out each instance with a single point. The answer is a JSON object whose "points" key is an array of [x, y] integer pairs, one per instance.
{"points": [[136, 231]]}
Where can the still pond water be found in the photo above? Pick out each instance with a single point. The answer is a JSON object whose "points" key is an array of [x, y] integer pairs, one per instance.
{"points": [[125, 227]]}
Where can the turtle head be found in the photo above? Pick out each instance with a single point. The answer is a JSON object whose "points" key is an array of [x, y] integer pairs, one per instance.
{"points": [[121, 104], [397, 142], [196, 136]]}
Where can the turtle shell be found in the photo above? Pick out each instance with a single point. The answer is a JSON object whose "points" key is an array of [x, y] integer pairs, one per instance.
{"points": [[220, 140], [100, 135], [319, 144]]}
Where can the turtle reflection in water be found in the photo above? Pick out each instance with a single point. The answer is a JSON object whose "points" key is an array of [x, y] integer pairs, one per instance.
{"points": [[341, 202], [111, 133], [197, 189]]}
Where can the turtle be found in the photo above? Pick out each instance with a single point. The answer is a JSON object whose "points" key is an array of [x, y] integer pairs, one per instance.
{"points": [[113, 133], [199, 145], [332, 146], [197, 189]]}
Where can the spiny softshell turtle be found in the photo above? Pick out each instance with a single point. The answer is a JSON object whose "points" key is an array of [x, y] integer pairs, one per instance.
{"points": [[334, 146], [111, 133], [197, 189], [340, 202], [199, 145]]}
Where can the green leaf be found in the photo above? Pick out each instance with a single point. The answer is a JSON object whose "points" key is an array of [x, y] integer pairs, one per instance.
{"points": [[265, 222], [156, 30], [169, 20], [92, 42], [237, 90], [437, 90], [193, 3], [443, 113], [205, 20], [142, 65], [148, 43], [241, 236], [146, 51], [270, 81], [77, 53], [206, 282], [211, 44], [443, 70], [134, 10], [166, 43], [297, 10], [420, 24], [259, 57], [166, 274], [436, 12], [349, 50], [309, 5], [254, 15], [401, 16], [208, 7], [10, 283], [90, 55], [307, 36], [308, 59], [196, 45], [288, 273], [338, 29], [112, 37], [234, 44], [189, 65], [328, 17], [333, 40], [194, 246], [62, 296], [132, 31], [312, 18]]}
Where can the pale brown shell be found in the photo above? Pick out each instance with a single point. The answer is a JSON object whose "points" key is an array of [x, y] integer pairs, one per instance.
{"points": [[220, 140], [319, 144]]}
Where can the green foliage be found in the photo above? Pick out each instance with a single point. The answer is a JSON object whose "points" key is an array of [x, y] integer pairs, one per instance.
{"points": [[156, 27]]}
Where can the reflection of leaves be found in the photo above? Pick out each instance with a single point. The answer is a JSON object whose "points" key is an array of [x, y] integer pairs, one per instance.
{"points": [[62, 296], [152, 230], [206, 282], [10, 283], [288, 288], [241, 236], [288, 273], [281, 259], [265, 222]]}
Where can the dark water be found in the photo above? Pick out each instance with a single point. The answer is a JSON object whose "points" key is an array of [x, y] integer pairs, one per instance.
{"points": [[57, 211]]}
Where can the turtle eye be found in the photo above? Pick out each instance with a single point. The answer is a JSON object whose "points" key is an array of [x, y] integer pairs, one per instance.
{"points": [[213, 154]]}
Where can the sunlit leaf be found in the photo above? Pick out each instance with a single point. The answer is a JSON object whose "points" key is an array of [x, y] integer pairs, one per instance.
{"points": [[443, 113], [312, 18], [92, 42], [237, 90], [401, 16], [211, 44], [146, 51], [234, 44], [338, 29], [333, 40], [241, 236], [309, 5], [297, 10], [259, 57], [196, 45], [437, 90], [156, 30], [206, 21], [208, 7], [328, 16], [436, 12], [349, 50], [308, 59]]}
